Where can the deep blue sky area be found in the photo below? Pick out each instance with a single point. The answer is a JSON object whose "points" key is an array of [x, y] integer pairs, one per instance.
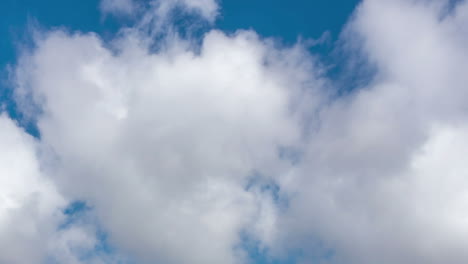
{"points": [[282, 19], [17, 16], [286, 19]]}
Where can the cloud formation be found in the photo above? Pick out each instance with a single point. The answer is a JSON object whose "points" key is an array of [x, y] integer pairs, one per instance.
{"points": [[172, 137], [185, 152], [160, 9], [119, 7], [33, 225]]}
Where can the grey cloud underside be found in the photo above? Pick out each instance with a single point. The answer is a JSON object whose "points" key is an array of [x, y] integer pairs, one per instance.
{"points": [[182, 152]]}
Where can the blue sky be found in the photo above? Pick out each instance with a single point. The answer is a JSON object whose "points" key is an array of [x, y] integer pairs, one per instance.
{"points": [[273, 18], [309, 19]]}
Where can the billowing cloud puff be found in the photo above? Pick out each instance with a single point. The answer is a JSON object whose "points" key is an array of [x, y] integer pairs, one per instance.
{"points": [[191, 153], [33, 224], [166, 146], [28, 201], [383, 179]]}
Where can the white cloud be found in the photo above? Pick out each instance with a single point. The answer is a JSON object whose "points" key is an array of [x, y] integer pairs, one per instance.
{"points": [[26, 202], [31, 207], [206, 8], [160, 9], [382, 181], [163, 145], [119, 7], [177, 150]]}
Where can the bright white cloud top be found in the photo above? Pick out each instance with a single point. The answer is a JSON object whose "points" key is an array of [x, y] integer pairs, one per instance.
{"points": [[185, 151]]}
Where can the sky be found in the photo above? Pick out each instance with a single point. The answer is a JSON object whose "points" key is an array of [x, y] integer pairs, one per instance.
{"points": [[236, 132], [286, 23]]}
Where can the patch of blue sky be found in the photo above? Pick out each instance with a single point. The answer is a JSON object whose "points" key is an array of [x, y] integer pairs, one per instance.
{"points": [[260, 254], [74, 212], [257, 182], [286, 19], [79, 213]]}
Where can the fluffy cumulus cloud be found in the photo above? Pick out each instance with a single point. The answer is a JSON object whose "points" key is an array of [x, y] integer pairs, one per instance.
{"points": [[33, 223], [383, 179], [186, 151], [166, 146]]}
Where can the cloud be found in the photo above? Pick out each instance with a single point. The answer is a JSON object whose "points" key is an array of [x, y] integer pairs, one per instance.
{"points": [[31, 207], [374, 186], [160, 10], [162, 145], [118, 7], [26, 201], [208, 9], [183, 151]]}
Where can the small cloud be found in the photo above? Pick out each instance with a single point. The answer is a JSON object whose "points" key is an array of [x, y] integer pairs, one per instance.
{"points": [[119, 7]]}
